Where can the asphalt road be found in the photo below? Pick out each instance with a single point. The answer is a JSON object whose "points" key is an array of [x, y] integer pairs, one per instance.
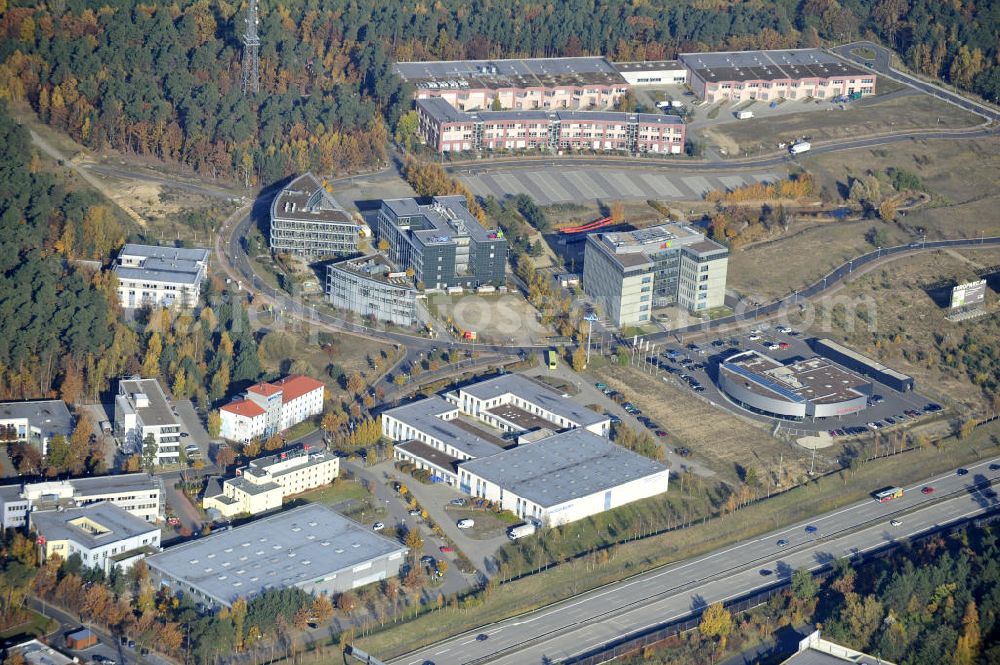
{"points": [[588, 621], [881, 64]]}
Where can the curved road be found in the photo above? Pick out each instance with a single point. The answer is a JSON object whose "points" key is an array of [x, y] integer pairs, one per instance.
{"points": [[662, 596], [881, 65]]}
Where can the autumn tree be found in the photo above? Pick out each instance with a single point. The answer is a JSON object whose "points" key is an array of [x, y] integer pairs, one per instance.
{"points": [[579, 359], [274, 442], [413, 540], [347, 602], [214, 424], [716, 623]]}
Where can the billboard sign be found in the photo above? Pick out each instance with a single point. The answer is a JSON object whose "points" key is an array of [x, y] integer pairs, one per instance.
{"points": [[971, 293]]}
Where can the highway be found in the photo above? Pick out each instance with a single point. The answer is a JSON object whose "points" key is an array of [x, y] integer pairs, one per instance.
{"points": [[664, 595]]}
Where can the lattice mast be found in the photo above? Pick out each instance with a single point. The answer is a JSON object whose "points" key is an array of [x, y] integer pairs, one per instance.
{"points": [[251, 52]]}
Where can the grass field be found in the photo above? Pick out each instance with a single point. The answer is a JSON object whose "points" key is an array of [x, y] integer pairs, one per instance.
{"points": [[909, 322], [340, 491], [716, 436], [874, 116], [826, 494]]}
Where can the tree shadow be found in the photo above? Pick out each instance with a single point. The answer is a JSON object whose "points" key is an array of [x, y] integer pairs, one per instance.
{"points": [[783, 571], [698, 602], [982, 492]]}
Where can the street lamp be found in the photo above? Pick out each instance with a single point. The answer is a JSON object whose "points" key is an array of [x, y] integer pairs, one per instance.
{"points": [[590, 318]]}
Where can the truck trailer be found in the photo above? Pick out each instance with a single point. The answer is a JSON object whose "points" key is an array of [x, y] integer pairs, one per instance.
{"points": [[800, 147], [81, 639], [521, 531]]}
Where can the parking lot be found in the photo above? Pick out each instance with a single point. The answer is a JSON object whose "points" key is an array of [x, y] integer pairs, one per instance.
{"points": [[547, 185], [695, 367]]}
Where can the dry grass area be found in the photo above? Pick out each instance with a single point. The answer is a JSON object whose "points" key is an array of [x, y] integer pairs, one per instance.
{"points": [[959, 175], [719, 438], [910, 297], [875, 116], [495, 318]]}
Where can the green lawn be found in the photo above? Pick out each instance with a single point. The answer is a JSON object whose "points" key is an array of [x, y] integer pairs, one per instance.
{"points": [[37, 625], [629, 559], [340, 491]]}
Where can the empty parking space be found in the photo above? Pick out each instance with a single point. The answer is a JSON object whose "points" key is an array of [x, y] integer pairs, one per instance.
{"points": [[561, 185]]}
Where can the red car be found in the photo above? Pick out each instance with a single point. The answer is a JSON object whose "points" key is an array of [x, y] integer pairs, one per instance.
{"points": [[782, 345], [446, 549], [927, 490]]}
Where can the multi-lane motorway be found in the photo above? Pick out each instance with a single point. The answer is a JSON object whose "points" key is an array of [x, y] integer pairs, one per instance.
{"points": [[588, 621]]}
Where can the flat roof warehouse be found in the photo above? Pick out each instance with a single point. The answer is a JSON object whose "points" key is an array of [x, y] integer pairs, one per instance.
{"points": [[815, 380], [303, 547]]}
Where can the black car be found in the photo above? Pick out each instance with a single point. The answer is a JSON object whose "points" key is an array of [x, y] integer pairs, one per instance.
{"points": [[962, 472], [718, 342], [765, 572], [683, 452], [932, 408]]}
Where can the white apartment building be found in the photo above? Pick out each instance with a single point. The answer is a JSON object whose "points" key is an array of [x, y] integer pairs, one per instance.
{"points": [[140, 494], [141, 410], [104, 535], [154, 276], [34, 422], [632, 273], [265, 482], [267, 408]]}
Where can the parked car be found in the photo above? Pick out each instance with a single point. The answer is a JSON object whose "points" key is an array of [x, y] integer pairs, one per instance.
{"points": [[378, 526], [927, 490], [445, 549], [660, 433], [457, 502], [465, 523], [683, 452]]}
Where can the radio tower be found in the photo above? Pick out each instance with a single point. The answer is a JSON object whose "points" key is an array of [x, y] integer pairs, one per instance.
{"points": [[251, 53]]}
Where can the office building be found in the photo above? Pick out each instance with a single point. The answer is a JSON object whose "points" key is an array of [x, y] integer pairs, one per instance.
{"points": [[869, 367], [652, 72], [307, 220], [263, 483], [372, 286], [810, 388], [446, 129], [521, 84], [141, 411], [103, 534], [631, 273], [563, 478], [310, 547], [35, 422], [140, 494], [769, 75], [814, 650], [151, 276], [517, 442], [267, 408], [442, 242]]}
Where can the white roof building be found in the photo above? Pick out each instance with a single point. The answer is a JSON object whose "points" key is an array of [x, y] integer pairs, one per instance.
{"points": [[141, 410], [103, 534], [149, 275]]}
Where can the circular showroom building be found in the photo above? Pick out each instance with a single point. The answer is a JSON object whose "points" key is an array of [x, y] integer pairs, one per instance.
{"points": [[811, 388]]}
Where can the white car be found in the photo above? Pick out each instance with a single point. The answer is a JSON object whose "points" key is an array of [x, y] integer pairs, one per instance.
{"points": [[784, 330], [378, 526], [466, 523], [895, 523], [754, 337]]}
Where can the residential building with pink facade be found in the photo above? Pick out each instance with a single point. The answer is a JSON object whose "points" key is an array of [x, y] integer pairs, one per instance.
{"points": [[770, 75], [517, 84], [447, 129]]}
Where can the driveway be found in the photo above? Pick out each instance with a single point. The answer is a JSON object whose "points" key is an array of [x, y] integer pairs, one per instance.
{"points": [[380, 478], [433, 499], [191, 425]]}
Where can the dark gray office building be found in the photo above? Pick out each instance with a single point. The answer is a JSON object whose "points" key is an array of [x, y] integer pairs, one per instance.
{"points": [[443, 242]]}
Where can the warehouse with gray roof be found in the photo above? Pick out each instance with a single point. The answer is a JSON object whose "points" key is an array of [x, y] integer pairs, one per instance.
{"points": [[310, 547]]}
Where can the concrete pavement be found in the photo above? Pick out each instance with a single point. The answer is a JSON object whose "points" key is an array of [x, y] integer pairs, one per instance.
{"points": [[588, 621]]}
